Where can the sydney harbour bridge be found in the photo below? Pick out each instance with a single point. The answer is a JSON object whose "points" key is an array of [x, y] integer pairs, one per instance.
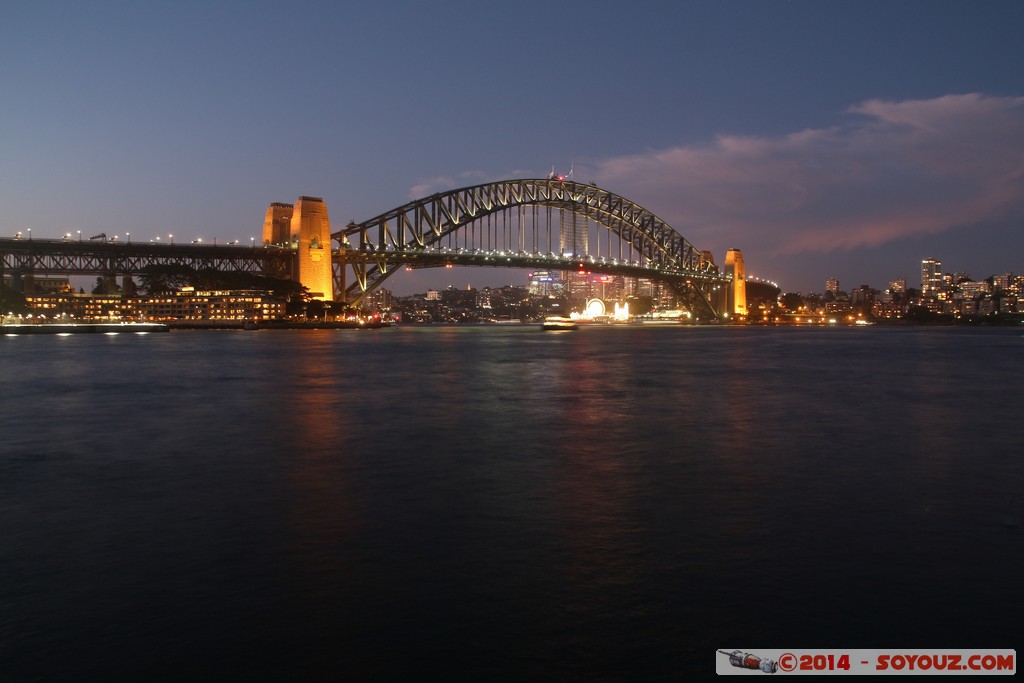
{"points": [[553, 224]]}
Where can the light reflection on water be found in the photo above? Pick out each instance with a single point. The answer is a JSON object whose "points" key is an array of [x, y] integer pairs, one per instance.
{"points": [[502, 502]]}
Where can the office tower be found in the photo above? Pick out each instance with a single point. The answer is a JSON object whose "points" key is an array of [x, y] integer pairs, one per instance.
{"points": [[931, 277], [573, 234]]}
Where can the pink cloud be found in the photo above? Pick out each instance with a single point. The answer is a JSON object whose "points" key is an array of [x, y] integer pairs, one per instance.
{"points": [[443, 183], [895, 169]]}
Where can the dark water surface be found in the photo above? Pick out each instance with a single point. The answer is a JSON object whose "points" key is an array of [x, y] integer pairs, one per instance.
{"points": [[501, 503]]}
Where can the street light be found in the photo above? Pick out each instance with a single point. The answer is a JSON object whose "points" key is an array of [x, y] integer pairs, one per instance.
{"points": [[79, 235], [129, 236], [171, 237]]}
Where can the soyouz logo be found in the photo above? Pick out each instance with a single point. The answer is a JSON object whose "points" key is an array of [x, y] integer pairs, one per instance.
{"points": [[870, 662], [745, 660]]}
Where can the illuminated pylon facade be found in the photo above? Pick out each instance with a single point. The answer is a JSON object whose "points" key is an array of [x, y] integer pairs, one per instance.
{"points": [[277, 225], [738, 287], [311, 238]]}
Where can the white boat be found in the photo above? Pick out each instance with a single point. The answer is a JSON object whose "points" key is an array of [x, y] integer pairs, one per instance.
{"points": [[555, 322]]}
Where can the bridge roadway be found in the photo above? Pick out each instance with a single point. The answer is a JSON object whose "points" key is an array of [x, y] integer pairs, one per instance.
{"points": [[72, 257], [113, 258], [419, 258], [28, 257]]}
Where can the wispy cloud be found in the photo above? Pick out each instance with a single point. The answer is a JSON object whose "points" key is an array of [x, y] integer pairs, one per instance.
{"points": [[443, 183], [894, 169]]}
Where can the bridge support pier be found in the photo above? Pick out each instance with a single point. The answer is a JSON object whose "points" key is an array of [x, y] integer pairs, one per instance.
{"points": [[311, 237], [340, 285]]}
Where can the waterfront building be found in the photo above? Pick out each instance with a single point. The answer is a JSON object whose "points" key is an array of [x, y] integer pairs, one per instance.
{"points": [[887, 309], [186, 304], [99, 307], [212, 305], [832, 285], [837, 307]]}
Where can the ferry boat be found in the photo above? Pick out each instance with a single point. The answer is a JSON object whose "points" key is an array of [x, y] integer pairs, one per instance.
{"points": [[555, 322]]}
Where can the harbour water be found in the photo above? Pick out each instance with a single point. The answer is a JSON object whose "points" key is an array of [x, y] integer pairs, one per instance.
{"points": [[500, 503]]}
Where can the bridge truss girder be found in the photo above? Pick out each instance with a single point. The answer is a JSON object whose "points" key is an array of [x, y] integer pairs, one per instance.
{"points": [[408, 233], [36, 257]]}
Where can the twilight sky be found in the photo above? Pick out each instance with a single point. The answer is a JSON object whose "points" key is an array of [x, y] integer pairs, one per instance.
{"points": [[823, 138]]}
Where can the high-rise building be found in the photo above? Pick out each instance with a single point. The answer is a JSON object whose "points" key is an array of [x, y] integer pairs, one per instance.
{"points": [[543, 283], [738, 290], [862, 296], [573, 234], [931, 277], [832, 285], [896, 292], [644, 287], [380, 299], [579, 287]]}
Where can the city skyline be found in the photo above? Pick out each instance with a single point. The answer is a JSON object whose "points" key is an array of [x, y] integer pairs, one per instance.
{"points": [[847, 140]]}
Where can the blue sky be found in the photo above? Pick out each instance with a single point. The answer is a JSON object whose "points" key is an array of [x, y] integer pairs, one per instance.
{"points": [[846, 139]]}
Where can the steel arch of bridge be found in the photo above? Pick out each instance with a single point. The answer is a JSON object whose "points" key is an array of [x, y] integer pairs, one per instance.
{"points": [[415, 232]]}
